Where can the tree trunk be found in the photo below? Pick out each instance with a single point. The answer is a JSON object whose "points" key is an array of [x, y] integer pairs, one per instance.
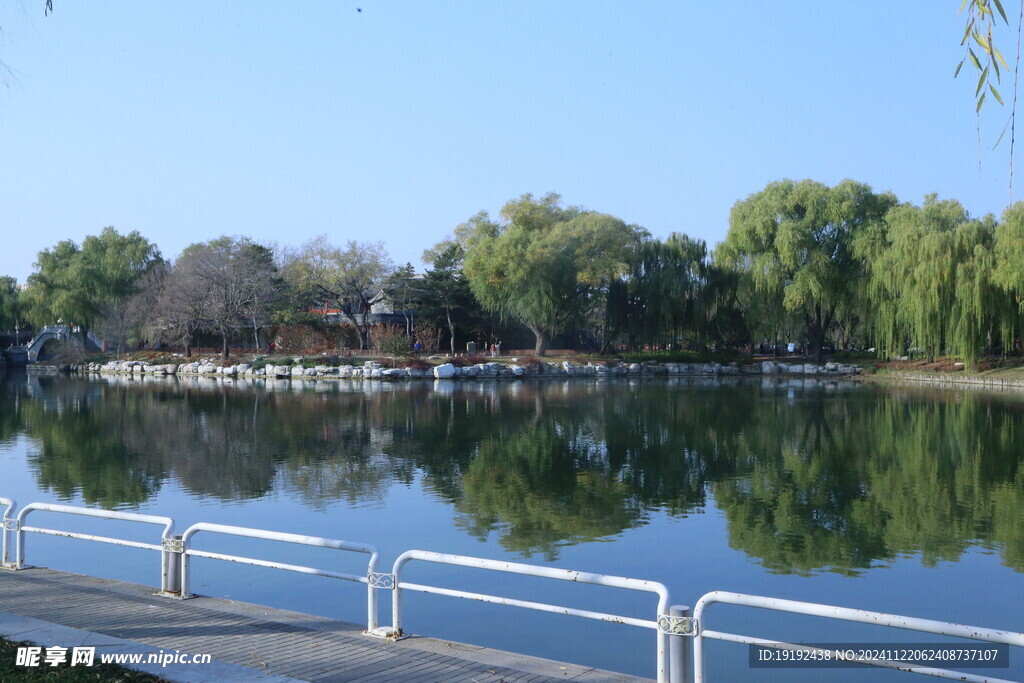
{"points": [[816, 345], [226, 349], [817, 329], [451, 328], [360, 329], [541, 347]]}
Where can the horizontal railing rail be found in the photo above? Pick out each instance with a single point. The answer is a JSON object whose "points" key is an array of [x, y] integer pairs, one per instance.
{"points": [[166, 522], [942, 628], [542, 572], [675, 628], [187, 551]]}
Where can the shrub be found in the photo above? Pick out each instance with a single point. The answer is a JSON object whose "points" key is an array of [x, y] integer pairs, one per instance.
{"points": [[300, 338], [416, 364], [466, 361], [391, 340], [334, 360]]}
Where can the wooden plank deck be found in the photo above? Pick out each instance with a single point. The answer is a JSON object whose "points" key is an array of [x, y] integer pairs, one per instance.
{"points": [[272, 641]]}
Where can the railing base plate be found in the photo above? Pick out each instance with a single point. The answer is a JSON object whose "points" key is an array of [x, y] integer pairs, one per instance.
{"points": [[385, 633]]}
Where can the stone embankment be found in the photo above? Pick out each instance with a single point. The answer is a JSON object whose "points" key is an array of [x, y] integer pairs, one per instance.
{"points": [[374, 370], [948, 380]]}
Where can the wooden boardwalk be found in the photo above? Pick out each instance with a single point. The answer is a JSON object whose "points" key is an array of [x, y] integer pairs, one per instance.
{"points": [[272, 641]]}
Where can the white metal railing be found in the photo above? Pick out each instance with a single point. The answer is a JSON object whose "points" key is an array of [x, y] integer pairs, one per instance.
{"points": [[543, 572], [9, 524], [187, 552], [845, 614], [166, 522], [676, 630]]}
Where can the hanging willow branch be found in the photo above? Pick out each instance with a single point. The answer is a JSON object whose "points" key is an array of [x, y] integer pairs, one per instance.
{"points": [[988, 62]]}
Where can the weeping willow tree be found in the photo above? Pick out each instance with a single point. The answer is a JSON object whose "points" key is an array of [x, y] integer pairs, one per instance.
{"points": [[795, 240], [931, 281], [1009, 270], [661, 296]]}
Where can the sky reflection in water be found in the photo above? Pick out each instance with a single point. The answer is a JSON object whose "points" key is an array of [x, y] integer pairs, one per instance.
{"points": [[862, 496]]}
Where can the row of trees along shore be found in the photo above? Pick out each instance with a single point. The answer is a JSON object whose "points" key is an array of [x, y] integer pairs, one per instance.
{"points": [[841, 267]]}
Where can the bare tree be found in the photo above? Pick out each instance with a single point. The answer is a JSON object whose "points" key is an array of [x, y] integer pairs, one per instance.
{"points": [[138, 310], [238, 276], [182, 303], [342, 276]]}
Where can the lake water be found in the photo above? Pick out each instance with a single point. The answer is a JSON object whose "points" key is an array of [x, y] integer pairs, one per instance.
{"points": [[894, 499]]}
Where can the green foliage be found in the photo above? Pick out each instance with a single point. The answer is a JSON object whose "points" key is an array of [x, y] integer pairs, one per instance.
{"points": [[446, 299], [795, 243], [663, 294], [390, 340], [980, 19], [530, 483], [10, 303], [405, 292], [544, 265], [931, 284], [80, 285]]}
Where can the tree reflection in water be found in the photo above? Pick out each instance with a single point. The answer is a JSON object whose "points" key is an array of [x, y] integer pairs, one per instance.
{"points": [[810, 478]]}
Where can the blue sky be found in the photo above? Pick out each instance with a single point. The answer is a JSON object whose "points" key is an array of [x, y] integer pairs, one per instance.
{"points": [[282, 120]]}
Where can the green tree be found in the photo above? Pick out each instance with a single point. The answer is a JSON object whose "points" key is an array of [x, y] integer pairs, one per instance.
{"points": [[665, 295], [447, 299], [90, 284], [796, 238], [10, 305], [118, 263], [544, 265], [405, 292], [931, 280], [1009, 269]]}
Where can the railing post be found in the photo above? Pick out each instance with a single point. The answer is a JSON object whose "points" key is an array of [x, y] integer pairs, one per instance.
{"points": [[680, 649], [19, 543], [9, 525], [171, 557], [396, 605]]}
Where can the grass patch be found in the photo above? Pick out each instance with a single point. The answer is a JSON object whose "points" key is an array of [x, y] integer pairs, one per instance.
{"points": [[64, 673]]}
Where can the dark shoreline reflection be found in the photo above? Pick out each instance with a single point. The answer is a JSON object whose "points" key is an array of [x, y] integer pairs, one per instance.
{"points": [[810, 477]]}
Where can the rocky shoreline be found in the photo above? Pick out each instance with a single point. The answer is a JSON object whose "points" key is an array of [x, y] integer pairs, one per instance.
{"points": [[530, 369], [949, 380]]}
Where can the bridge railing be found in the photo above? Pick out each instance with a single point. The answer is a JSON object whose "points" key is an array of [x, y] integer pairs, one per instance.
{"points": [[675, 628]]}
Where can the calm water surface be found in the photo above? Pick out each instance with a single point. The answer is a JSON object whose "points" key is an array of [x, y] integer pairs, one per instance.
{"points": [[894, 499]]}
